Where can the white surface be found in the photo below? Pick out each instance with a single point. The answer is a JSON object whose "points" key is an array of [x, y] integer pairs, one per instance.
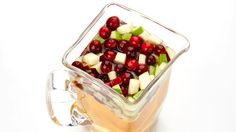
{"points": [[35, 34]]}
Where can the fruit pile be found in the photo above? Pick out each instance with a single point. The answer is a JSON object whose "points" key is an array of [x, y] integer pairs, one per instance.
{"points": [[124, 57]]}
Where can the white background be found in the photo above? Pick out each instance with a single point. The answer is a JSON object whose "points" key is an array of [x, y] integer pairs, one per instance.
{"points": [[35, 34]]}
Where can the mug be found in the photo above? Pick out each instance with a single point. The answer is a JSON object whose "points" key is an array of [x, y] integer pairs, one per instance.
{"points": [[76, 98]]}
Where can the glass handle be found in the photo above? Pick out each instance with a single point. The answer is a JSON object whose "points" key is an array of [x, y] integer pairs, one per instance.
{"points": [[62, 103]]}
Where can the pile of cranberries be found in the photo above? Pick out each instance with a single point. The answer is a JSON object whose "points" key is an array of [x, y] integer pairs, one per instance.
{"points": [[108, 50]]}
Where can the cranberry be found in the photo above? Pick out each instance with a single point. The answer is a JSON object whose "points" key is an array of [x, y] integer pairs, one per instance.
{"points": [[125, 91], [126, 77], [159, 49], [147, 48], [104, 32], [168, 57], [135, 41], [131, 52], [95, 46], [86, 68], [108, 84], [113, 22], [106, 66], [77, 64], [102, 58], [110, 44], [104, 77], [94, 72], [115, 81], [122, 45], [141, 69], [132, 64], [119, 68], [109, 55], [151, 60]]}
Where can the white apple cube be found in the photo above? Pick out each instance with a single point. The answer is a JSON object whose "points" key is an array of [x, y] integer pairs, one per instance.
{"points": [[133, 86], [79, 58], [145, 35], [154, 39], [90, 59], [142, 59], [112, 75], [152, 77], [144, 80], [126, 28], [120, 58], [98, 67]]}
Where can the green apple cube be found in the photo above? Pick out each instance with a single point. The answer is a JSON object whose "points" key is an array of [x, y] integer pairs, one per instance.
{"points": [[137, 30], [126, 36], [159, 68], [115, 35], [152, 70], [117, 88], [170, 52], [97, 37], [162, 58], [131, 99], [137, 95]]}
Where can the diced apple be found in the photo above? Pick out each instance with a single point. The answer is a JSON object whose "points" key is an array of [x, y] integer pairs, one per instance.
{"points": [[137, 95], [137, 30], [91, 59], [151, 70], [112, 75], [133, 86], [145, 35], [97, 37], [131, 99], [126, 28], [98, 67], [142, 59], [115, 35], [170, 52], [126, 36], [117, 88], [152, 77], [159, 68], [144, 80], [120, 58], [162, 58], [154, 39]]}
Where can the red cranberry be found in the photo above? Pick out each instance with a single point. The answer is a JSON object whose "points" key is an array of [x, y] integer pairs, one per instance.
{"points": [[119, 68], [109, 55], [113, 22], [108, 84], [141, 69], [159, 49], [86, 68], [151, 60], [132, 64], [122, 45], [95, 46], [116, 81], [102, 58], [104, 32], [126, 77], [110, 44], [77, 64], [147, 48], [131, 52], [94, 72], [168, 57], [135, 41], [106, 66], [125, 91], [104, 77]]}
